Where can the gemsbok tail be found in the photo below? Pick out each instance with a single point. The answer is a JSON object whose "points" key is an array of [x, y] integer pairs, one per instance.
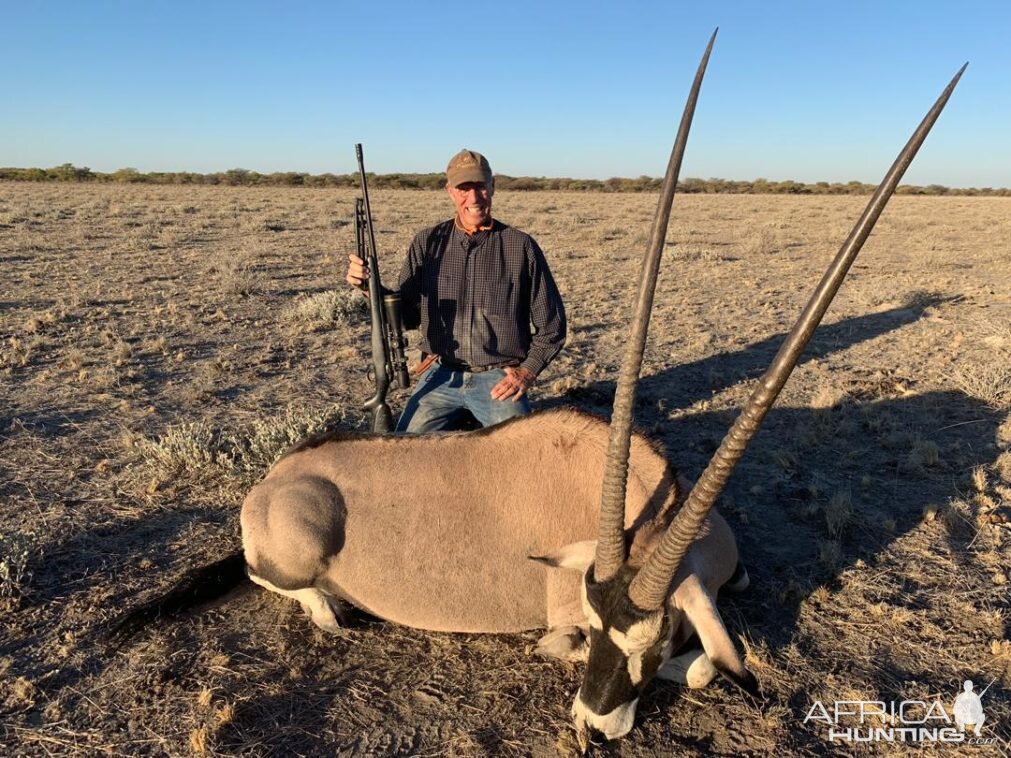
{"points": [[200, 585]]}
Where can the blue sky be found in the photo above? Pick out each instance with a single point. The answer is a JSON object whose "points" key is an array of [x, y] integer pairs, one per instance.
{"points": [[795, 90]]}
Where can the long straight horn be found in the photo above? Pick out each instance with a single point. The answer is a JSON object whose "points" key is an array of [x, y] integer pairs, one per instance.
{"points": [[649, 589], [611, 528]]}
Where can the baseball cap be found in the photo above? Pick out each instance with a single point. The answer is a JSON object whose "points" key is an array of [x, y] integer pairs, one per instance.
{"points": [[468, 166]]}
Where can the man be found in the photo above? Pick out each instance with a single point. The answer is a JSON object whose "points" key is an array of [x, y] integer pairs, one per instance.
{"points": [[490, 315]]}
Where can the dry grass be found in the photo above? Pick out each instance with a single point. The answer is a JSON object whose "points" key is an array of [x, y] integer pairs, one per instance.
{"points": [[989, 383], [325, 310], [160, 346], [16, 549]]}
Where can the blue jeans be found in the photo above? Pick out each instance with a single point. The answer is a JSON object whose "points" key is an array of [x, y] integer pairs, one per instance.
{"points": [[443, 397]]}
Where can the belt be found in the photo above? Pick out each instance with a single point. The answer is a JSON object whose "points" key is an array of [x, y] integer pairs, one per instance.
{"points": [[459, 366]]}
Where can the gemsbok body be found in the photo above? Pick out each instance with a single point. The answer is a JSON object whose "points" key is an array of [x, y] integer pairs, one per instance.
{"points": [[449, 548], [559, 520]]}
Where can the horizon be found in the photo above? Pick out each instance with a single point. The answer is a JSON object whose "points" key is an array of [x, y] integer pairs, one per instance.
{"points": [[107, 177], [794, 91]]}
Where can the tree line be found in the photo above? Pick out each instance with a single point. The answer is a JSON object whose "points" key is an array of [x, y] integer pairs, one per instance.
{"points": [[240, 177]]}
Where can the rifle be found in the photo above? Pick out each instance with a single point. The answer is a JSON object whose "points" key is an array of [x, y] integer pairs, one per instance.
{"points": [[388, 341]]}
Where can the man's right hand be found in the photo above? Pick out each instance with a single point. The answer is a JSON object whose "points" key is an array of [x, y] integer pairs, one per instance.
{"points": [[358, 274]]}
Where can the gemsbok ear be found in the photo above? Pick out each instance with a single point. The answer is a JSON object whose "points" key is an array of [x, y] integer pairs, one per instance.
{"points": [[576, 556]]}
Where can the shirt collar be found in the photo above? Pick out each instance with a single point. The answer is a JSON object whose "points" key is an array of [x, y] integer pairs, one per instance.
{"points": [[459, 226]]}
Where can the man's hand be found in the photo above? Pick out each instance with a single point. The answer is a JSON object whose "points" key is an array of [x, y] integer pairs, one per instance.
{"points": [[514, 384], [357, 275]]}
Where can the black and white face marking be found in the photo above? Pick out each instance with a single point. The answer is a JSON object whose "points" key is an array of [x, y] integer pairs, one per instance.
{"points": [[627, 647]]}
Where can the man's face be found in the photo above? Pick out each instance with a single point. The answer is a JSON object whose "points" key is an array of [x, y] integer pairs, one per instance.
{"points": [[473, 203]]}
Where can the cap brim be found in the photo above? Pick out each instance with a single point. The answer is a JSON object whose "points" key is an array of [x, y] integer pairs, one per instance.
{"points": [[469, 175]]}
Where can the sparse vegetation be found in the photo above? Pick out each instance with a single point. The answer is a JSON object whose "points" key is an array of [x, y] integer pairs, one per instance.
{"points": [[141, 393]]}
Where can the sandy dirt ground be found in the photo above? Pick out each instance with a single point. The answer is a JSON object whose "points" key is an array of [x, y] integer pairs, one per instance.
{"points": [[160, 345]]}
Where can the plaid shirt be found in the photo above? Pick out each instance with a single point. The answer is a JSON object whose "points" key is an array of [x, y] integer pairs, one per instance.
{"points": [[475, 297]]}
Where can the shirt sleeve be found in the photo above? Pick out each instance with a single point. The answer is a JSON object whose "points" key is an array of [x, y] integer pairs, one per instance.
{"points": [[547, 313], [409, 285]]}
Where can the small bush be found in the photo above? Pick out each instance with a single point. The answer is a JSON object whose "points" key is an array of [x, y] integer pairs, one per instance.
{"points": [[236, 273], [838, 512], [195, 447], [327, 309], [186, 447], [257, 446], [762, 241], [924, 454]]}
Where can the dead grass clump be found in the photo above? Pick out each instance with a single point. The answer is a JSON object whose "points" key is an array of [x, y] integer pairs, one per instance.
{"points": [[838, 512], [1002, 466], [923, 454], [155, 345], [785, 459], [225, 714], [691, 255], [956, 516], [327, 309], [829, 554], [15, 550], [761, 241], [121, 352], [198, 740], [759, 659], [995, 331], [1001, 649], [39, 321], [979, 479], [1003, 434], [20, 352], [922, 300], [236, 272], [20, 694], [990, 383], [205, 696]]}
